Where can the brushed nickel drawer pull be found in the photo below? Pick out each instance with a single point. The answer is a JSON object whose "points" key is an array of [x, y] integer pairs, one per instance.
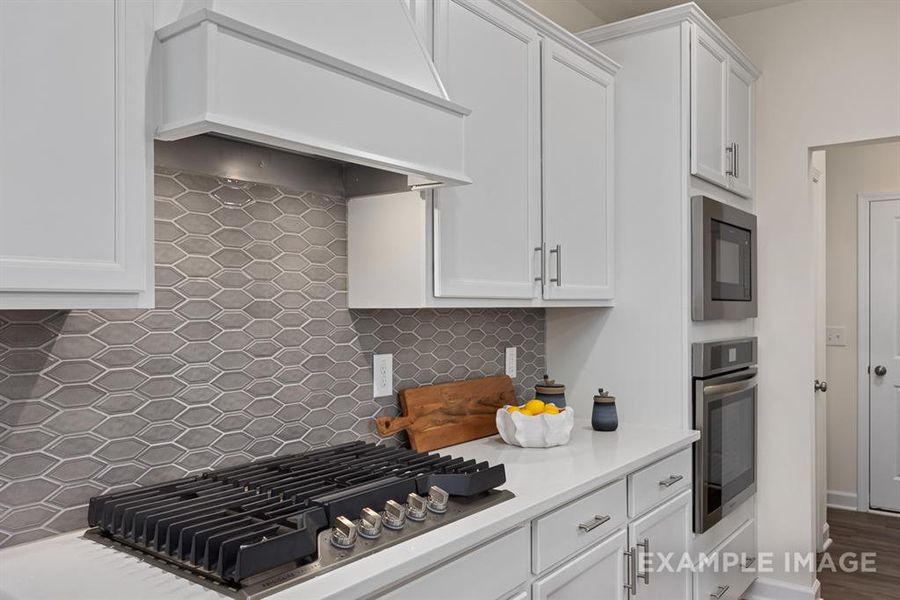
{"points": [[594, 523], [720, 592], [672, 480]]}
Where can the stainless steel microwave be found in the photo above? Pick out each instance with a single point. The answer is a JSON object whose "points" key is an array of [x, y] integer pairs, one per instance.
{"points": [[723, 261]]}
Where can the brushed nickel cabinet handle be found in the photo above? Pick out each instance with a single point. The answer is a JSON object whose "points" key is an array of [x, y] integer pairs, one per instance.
{"points": [[558, 251], [672, 480], [645, 545], [721, 591], [594, 523], [631, 571], [540, 277], [732, 160], [736, 157]]}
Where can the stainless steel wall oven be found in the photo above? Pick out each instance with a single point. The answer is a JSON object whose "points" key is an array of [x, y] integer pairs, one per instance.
{"points": [[725, 381], [723, 270]]}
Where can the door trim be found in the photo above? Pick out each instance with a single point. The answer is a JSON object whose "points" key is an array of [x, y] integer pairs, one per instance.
{"points": [[864, 201]]}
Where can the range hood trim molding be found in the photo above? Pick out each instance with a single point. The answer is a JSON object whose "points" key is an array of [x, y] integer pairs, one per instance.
{"points": [[209, 24]]}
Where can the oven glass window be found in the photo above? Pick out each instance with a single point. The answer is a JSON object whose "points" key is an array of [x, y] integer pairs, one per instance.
{"points": [[731, 435], [731, 262]]}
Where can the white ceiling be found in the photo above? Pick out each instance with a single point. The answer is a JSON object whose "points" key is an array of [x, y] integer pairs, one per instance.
{"points": [[616, 10]]}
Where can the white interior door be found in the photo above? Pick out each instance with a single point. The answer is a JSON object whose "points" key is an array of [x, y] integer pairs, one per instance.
{"points": [[817, 195], [884, 353]]}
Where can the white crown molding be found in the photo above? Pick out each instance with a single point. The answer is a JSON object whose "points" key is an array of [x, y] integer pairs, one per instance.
{"points": [[689, 12], [558, 34]]}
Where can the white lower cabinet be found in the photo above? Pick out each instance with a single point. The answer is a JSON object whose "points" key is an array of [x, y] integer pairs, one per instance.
{"points": [[494, 571], [597, 573], [588, 548], [728, 571], [663, 532]]}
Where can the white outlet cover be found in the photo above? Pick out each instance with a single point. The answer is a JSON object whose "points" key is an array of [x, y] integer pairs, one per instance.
{"points": [[835, 336], [382, 375], [511, 362]]}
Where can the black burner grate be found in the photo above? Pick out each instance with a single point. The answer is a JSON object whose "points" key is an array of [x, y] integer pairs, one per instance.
{"points": [[234, 523]]}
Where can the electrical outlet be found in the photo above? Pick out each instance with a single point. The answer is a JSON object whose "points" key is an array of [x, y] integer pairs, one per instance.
{"points": [[835, 336], [382, 375], [511, 362]]}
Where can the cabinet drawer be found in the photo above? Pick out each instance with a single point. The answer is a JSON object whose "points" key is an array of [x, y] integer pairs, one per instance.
{"points": [[492, 571], [577, 525], [651, 485], [726, 574]]}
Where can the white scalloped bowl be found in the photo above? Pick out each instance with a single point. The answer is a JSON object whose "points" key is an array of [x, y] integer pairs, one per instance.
{"points": [[537, 431]]}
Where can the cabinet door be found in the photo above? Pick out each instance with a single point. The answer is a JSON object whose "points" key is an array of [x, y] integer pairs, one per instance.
{"points": [[666, 529], [598, 573], [740, 128], [578, 176], [75, 154], [709, 74], [485, 234], [494, 571]]}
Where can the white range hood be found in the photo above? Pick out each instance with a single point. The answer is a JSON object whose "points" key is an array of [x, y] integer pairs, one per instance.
{"points": [[348, 80]]}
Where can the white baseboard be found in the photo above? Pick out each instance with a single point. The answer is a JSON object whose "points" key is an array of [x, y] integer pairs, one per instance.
{"points": [[841, 500], [773, 589]]}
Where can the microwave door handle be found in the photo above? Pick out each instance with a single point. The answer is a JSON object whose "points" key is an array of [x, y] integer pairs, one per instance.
{"points": [[730, 388]]}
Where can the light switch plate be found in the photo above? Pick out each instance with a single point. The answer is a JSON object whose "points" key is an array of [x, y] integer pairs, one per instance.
{"points": [[511, 362], [382, 375], [835, 336]]}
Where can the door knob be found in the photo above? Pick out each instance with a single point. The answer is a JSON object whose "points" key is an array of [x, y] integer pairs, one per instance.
{"points": [[881, 370], [821, 386]]}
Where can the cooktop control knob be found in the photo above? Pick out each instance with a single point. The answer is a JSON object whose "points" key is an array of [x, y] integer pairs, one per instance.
{"points": [[437, 500], [394, 516], [343, 534], [369, 524], [416, 507]]}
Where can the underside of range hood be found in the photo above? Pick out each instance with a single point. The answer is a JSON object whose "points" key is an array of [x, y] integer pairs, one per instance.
{"points": [[235, 78]]}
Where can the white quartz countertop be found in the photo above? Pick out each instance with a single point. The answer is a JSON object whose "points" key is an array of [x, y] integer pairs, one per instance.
{"points": [[72, 568]]}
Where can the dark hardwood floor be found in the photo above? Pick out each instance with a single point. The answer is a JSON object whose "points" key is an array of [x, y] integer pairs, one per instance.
{"points": [[863, 532]]}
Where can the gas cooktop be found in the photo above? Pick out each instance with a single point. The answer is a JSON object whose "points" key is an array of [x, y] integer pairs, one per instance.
{"points": [[255, 529]]}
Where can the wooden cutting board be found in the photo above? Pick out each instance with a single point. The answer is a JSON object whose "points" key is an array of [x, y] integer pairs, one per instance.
{"points": [[437, 416]]}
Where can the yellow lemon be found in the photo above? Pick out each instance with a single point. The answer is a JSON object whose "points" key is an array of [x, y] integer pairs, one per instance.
{"points": [[526, 412], [551, 409], [512, 409], [549, 404], [535, 406]]}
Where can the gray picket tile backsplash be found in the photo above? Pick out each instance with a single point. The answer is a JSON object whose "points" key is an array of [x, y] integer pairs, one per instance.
{"points": [[251, 351]]}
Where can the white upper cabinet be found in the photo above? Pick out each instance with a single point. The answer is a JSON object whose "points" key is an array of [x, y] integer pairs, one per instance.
{"points": [[721, 116], [577, 176], [535, 227], [485, 234], [75, 154], [709, 73], [740, 128]]}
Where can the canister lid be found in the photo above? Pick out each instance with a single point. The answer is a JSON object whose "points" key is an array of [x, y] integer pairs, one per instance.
{"points": [[603, 397], [549, 386]]}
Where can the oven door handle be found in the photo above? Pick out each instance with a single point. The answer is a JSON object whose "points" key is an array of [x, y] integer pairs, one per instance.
{"points": [[747, 380]]}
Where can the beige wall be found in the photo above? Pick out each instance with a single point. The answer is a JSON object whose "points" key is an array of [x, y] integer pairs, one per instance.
{"points": [[830, 74], [850, 170], [571, 14]]}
